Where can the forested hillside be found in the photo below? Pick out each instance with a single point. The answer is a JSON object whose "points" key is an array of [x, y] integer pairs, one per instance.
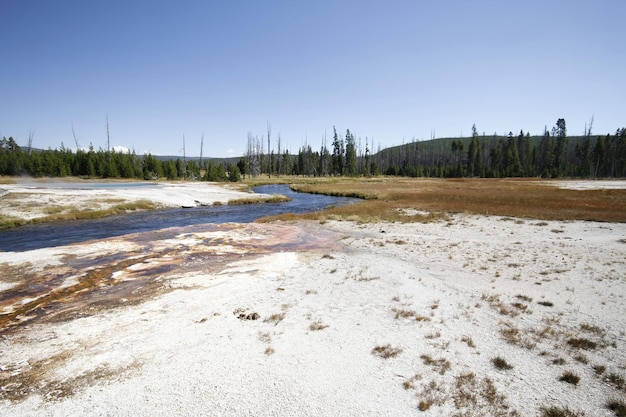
{"points": [[551, 155]]}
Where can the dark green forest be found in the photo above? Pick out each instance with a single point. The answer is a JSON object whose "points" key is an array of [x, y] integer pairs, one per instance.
{"points": [[553, 154]]}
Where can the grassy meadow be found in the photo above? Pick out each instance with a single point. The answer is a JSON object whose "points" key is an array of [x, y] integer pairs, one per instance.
{"points": [[406, 200]]}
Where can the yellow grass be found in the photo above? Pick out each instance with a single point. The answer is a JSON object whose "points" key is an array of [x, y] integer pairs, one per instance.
{"points": [[276, 198], [520, 198], [58, 213]]}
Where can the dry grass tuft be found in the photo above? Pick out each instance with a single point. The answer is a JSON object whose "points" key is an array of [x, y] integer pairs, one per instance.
{"points": [[275, 318], [514, 336], [441, 365], [469, 341], [599, 369], [582, 343], [559, 412], [617, 380], [501, 363], [386, 351], [590, 328], [617, 406], [570, 378], [317, 325], [408, 314]]}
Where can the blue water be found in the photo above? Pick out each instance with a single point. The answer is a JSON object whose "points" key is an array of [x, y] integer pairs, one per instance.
{"points": [[62, 233]]}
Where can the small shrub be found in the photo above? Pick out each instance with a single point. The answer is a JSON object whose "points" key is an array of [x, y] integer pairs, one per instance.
{"points": [[386, 351], [558, 361], [501, 363], [524, 298], [570, 378]]}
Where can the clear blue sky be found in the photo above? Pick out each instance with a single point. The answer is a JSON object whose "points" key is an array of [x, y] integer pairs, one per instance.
{"points": [[387, 70]]}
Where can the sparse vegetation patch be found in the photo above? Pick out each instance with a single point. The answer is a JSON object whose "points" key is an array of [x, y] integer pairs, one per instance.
{"points": [[582, 343], [441, 365], [570, 378], [559, 412], [501, 363], [386, 351], [617, 406]]}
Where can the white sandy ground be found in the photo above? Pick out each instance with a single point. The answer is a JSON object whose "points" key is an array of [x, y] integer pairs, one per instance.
{"points": [[32, 198], [587, 184], [469, 287]]}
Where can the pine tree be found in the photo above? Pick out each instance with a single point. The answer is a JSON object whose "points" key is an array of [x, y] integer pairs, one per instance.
{"points": [[351, 161], [337, 157]]}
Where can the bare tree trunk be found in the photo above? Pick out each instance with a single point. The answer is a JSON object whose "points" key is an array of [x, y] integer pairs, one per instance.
{"points": [[269, 153], [279, 154], [201, 146], [31, 134], [108, 137], [184, 159], [75, 138]]}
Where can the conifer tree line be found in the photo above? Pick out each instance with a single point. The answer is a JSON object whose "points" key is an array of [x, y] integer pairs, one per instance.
{"points": [[553, 154], [107, 164]]}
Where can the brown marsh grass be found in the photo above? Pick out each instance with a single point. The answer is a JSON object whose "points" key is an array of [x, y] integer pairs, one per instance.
{"points": [[521, 198]]}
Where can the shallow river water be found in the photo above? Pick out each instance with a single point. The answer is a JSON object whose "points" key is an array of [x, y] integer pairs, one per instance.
{"points": [[62, 233]]}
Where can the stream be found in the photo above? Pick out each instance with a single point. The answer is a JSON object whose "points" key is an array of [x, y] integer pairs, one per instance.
{"points": [[52, 234]]}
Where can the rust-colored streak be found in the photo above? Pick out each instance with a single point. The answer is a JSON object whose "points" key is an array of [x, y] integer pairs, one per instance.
{"points": [[122, 277], [49, 303]]}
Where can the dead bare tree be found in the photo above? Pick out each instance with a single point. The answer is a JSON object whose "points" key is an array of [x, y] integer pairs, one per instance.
{"points": [[31, 134], [184, 159], [75, 138], [269, 153], [253, 154], [201, 146], [108, 137], [279, 154]]}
